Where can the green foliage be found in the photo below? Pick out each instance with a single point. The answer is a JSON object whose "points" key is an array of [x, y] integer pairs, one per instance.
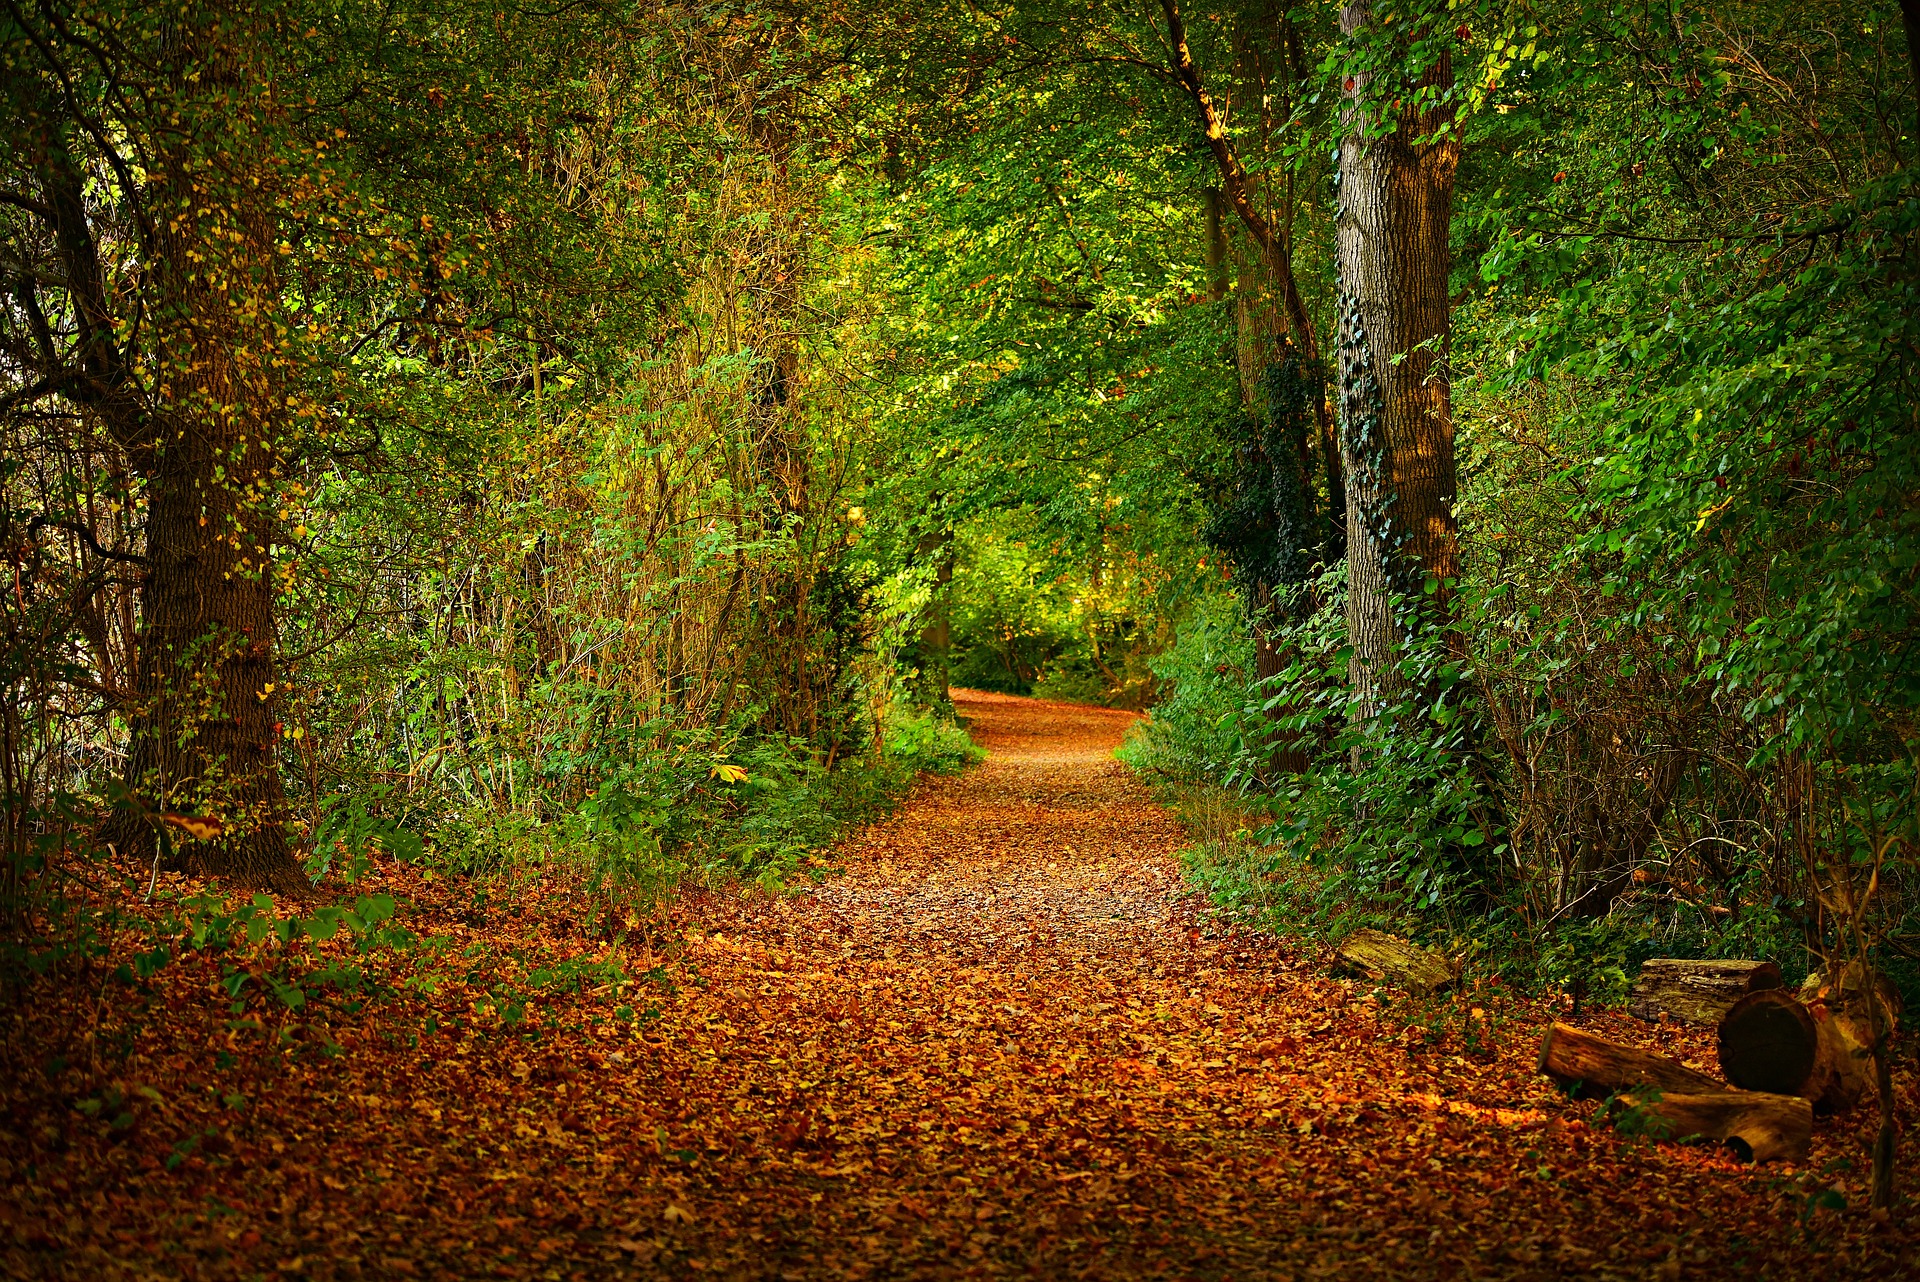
{"points": [[1678, 677], [1204, 717], [1638, 1116], [917, 741], [664, 399]]}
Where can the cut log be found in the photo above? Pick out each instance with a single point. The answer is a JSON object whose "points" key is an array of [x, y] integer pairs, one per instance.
{"points": [[1843, 1069], [1697, 992], [1771, 1041], [1382, 956], [1757, 1127], [1843, 991], [1593, 1067]]}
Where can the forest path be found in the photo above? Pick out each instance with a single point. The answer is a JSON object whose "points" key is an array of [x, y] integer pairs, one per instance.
{"points": [[998, 1040], [1002, 1039], [1007, 1040]]}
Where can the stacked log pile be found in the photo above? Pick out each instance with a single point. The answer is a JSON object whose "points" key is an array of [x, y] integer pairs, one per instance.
{"points": [[1784, 1055]]}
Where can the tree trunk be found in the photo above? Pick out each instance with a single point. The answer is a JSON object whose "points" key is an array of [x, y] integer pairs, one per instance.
{"points": [[1757, 1127], [1216, 246], [199, 415], [1273, 352], [935, 657], [1240, 191], [1697, 992], [1396, 415], [1593, 1068], [1770, 1041], [206, 739]]}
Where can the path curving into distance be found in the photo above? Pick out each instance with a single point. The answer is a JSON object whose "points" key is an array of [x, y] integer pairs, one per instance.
{"points": [[1001, 1039], [1008, 1041]]}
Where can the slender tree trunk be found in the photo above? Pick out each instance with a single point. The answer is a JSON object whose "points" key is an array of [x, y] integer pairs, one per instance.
{"points": [[1239, 190], [936, 633], [1396, 415], [1272, 329], [1216, 245]]}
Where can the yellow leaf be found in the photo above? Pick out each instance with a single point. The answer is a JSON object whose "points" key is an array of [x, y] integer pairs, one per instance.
{"points": [[1709, 512], [729, 774]]}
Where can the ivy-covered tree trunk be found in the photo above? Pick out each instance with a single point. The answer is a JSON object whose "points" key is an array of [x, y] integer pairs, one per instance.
{"points": [[205, 723], [1396, 174], [198, 409]]}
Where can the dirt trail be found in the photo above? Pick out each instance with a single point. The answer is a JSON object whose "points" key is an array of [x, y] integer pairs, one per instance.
{"points": [[1007, 1042], [998, 1040]]}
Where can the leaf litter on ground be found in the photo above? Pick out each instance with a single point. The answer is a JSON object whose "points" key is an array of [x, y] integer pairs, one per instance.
{"points": [[1004, 1039]]}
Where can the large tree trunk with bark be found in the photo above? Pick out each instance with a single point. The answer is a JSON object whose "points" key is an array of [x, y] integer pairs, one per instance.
{"points": [[1395, 204], [206, 722], [199, 412]]}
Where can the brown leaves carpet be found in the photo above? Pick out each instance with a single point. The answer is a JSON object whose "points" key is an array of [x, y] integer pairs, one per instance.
{"points": [[1004, 1040]]}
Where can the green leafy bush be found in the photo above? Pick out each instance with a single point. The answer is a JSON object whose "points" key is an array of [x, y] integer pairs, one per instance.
{"points": [[1200, 723], [919, 740]]}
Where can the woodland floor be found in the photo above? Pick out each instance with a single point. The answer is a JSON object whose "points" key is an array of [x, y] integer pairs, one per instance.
{"points": [[1001, 1038]]}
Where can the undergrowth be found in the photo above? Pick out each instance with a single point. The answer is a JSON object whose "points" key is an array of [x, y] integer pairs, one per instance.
{"points": [[1415, 823], [764, 818]]}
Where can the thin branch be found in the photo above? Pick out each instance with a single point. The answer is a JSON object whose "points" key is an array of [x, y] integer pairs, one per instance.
{"points": [[86, 536]]}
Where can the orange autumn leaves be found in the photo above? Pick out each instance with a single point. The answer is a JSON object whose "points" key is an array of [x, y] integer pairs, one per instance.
{"points": [[1003, 1038]]}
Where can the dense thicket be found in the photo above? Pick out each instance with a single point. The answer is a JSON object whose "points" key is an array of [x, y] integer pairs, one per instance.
{"points": [[1484, 435]]}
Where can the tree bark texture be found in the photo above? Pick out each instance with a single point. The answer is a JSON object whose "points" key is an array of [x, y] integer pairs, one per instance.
{"points": [[1697, 992], [200, 414], [1755, 1126], [1395, 204], [1593, 1067], [206, 737]]}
